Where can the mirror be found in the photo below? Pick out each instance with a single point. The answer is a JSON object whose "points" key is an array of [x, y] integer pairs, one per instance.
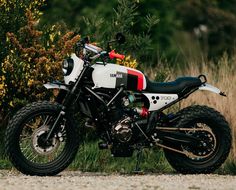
{"points": [[120, 38]]}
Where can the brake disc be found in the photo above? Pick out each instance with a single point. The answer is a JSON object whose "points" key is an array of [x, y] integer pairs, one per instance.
{"points": [[41, 147]]}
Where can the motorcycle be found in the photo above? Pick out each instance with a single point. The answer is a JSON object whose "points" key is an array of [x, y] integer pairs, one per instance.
{"points": [[125, 109]]}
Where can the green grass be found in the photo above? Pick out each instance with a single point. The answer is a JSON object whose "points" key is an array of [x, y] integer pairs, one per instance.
{"points": [[91, 159], [5, 164]]}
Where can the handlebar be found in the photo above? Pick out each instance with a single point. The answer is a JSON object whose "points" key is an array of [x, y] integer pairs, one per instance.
{"points": [[93, 48], [99, 52], [113, 55]]}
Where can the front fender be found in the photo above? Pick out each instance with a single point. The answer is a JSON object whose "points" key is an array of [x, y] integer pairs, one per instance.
{"points": [[63, 89], [56, 86], [211, 88]]}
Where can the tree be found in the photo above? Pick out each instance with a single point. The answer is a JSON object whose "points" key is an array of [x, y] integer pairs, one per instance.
{"points": [[73, 12], [212, 22], [101, 23]]}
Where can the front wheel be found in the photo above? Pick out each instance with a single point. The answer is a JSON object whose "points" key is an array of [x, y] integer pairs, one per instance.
{"points": [[214, 146], [25, 142]]}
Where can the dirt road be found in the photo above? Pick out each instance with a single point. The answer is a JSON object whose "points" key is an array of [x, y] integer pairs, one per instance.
{"points": [[76, 181]]}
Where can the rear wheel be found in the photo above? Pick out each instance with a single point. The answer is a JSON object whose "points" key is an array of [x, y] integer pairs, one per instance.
{"points": [[25, 140], [214, 146]]}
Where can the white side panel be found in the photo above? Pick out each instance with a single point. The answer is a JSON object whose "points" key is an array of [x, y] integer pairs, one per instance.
{"points": [[78, 67], [101, 75], [157, 101]]}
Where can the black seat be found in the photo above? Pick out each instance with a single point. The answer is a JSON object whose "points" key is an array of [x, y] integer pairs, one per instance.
{"points": [[179, 85]]}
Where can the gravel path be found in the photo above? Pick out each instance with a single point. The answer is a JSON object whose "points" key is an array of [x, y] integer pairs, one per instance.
{"points": [[76, 181]]}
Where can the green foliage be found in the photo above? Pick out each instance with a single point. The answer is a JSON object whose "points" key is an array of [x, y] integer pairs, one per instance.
{"points": [[12, 14], [5, 164], [72, 12], [212, 23], [35, 56], [124, 19], [176, 18], [101, 23], [1, 143], [163, 33]]}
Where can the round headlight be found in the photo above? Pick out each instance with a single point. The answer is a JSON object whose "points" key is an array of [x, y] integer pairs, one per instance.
{"points": [[67, 66]]}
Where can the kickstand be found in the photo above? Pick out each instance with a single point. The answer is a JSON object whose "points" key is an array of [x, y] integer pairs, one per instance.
{"points": [[139, 157]]}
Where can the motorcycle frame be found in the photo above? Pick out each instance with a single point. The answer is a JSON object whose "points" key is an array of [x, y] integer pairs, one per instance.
{"points": [[73, 94]]}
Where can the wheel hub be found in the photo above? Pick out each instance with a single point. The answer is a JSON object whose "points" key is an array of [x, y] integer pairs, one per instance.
{"points": [[39, 143], [205, 147]]}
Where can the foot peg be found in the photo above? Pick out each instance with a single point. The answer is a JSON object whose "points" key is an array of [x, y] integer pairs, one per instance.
{"points": [[102, 145], [90, 124]]}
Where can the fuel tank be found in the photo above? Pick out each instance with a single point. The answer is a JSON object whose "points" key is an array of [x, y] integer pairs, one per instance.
{"points": [[112, 76]]}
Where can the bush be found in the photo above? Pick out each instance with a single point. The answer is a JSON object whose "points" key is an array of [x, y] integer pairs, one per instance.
{"points": [[35, 56], [212, 23], [12, 14]]}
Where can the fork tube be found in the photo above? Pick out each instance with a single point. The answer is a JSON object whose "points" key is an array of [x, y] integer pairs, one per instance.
{"points": [[68, 100], [74, 91]]}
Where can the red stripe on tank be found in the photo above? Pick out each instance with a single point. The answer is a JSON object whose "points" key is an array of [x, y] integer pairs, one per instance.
{"points": [[140, 78]]}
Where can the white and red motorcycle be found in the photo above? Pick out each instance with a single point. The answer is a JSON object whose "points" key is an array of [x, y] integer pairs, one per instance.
{"points": [[43, 138]]}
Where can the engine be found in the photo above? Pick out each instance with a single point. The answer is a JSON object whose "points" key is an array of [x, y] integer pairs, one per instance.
{"points": [[122, 131], [122, 135]]}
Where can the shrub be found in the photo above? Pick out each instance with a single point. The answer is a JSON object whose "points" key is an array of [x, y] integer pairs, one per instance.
{"points": [[12, 14], [35, 56]]}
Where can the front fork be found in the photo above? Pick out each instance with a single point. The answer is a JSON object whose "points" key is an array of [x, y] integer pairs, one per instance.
{"points": [[71, 96]]}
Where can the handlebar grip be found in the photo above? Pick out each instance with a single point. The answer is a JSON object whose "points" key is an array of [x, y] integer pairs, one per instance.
{"points": [[113, 55]]}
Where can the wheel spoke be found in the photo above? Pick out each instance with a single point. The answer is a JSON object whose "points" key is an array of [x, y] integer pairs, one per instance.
{"points": [[32, 144]]}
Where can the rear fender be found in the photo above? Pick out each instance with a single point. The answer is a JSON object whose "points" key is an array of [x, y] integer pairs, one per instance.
{"points": [[211, 88]]}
